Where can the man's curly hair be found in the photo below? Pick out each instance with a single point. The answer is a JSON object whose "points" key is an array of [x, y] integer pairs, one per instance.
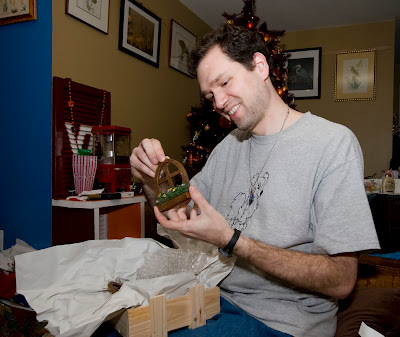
{"points": [[238, 43]]}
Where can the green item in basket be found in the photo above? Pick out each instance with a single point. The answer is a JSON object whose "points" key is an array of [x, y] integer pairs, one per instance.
{"points": [[84, 152], [172, 192]]}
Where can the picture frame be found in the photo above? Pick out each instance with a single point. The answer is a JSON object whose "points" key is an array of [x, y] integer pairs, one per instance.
{"points": [[94, 13], [14, 12], [139, 32], [355, 75], [304, 73], [181, 44]]}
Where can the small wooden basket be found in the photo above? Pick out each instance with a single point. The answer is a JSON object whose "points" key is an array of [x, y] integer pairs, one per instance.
{"points": [[163, 315], [164, 174]]}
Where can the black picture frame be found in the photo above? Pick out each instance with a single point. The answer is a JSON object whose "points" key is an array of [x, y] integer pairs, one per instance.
{"points": [[182, 43], [304, 73], [96, 15], [139, 32]]}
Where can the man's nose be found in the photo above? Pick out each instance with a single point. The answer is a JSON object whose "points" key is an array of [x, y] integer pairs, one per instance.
{"points": [[220, 99]]}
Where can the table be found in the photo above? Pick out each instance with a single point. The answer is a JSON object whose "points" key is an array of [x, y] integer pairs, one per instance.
{"points": [[77, 221]]}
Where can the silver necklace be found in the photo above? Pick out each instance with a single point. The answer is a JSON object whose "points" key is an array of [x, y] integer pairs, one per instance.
{"points": [[253, 186]]}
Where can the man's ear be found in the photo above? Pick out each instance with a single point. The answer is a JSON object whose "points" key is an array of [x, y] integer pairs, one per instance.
{"points": [[261, 64]]}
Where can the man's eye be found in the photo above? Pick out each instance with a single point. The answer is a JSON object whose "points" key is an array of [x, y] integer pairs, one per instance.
{"points": [[225, 83]]}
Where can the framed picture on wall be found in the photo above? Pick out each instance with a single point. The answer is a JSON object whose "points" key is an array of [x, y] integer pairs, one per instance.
{"points": [[355, 74], [17, 11], [304, 73], [139, 32], [92, 12], [181, 44]]}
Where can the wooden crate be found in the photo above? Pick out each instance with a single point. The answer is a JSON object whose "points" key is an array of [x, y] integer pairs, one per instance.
{"points": [[163, 315]]}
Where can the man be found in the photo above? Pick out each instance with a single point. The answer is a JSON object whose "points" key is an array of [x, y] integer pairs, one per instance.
{"points": [[284, 192]]}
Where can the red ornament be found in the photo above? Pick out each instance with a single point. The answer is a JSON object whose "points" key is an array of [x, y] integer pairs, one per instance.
{"points": [[224, 123], [250, 25]]}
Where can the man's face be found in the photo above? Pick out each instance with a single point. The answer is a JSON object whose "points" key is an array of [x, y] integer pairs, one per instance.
{"points": [[236, 92]]}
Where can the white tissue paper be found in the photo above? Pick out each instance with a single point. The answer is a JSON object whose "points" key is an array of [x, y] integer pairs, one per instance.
{"points": [[67, 285], [366, 331], [7, 256]]}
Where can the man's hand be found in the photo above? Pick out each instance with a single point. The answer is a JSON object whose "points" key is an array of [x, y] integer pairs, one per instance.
{"points": [[145, 159], [209, 225]]}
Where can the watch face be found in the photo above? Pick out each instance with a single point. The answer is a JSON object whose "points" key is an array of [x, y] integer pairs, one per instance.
{"points": [[224, 252]]}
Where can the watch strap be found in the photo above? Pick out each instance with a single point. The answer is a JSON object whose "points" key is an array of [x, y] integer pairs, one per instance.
{"points": [[228, 249]]}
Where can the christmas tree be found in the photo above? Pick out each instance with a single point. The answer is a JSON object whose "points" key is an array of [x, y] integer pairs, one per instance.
{"points": [[207, 127]]}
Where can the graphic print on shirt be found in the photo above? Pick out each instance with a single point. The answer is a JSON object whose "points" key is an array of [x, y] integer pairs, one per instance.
{"points": [[241, 210]]}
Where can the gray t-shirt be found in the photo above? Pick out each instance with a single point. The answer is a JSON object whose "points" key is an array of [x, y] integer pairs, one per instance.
{"points": [[309, 197]]}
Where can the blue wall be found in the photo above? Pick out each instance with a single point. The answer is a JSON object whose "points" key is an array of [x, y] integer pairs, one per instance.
{"points": [[25, 120]]}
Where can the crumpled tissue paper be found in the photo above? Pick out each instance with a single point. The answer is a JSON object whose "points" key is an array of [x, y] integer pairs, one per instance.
{"points": [[67, 285]]}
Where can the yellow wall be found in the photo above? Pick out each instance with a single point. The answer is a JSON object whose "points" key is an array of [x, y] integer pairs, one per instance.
{"points": [[371, 121], [153, 102]]}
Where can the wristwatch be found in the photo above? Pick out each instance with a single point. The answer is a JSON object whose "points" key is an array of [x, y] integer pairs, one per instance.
{"points": [[227, 250]]}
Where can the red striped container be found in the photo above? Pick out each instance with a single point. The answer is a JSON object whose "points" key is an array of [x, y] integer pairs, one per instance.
{"points": [[84, 169]]}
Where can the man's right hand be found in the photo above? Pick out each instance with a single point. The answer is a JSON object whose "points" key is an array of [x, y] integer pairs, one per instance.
{"points": [[145, 159]]}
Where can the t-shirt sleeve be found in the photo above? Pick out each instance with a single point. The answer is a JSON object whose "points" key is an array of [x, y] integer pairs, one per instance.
{"points": [[341, 216]]}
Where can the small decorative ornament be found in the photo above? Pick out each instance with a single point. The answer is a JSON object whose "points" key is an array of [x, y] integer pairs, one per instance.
{"points": [[207, 127], [280, 91], [285, 88], [250, 25], [229, 22], [266, 38], [196, 136], [167, 173], [224, 123]]}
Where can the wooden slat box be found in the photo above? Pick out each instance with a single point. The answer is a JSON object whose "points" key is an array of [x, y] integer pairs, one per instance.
{"points": [[163, 315]]}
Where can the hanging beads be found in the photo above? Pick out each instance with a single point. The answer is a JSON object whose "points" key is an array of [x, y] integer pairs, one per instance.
{"points": [[71, 106]]}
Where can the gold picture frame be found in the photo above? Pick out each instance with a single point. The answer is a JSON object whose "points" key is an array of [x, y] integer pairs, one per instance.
{"points": [[14, 12], [355, 75]]}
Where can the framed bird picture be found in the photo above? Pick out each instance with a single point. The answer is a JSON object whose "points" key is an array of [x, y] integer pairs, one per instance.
{"points": [[304, 72], [182, 43], [355, 75]]}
